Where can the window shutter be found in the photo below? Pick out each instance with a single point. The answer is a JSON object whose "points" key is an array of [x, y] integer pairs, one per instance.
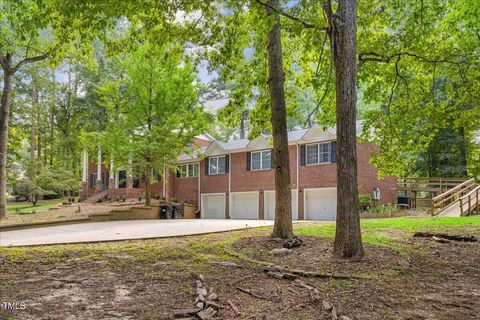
{"points": [[227, 163], [178, 172], [333, 150], [272, 158], [249, 159], [206, 166], [302, 155]]}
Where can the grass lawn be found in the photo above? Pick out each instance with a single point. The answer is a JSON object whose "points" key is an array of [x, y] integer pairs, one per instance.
{"points": [[28, 206], [402, 277], [383, 231]]}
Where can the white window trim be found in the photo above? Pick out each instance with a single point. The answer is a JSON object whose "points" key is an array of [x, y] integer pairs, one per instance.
{"points": [[318, 154], [261, 160], [187, 175], [215, 173]]}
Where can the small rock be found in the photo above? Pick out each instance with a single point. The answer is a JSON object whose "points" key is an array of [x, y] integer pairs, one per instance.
{"points": [[292, 243], [327, 305], [199, 304], [404, 263], [345, 318], [281, 252], [276, 239]]}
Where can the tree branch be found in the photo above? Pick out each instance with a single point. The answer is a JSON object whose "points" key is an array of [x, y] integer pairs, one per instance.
{"points": [[3, 62], [377, 57], [30, 60], [305, 24]]}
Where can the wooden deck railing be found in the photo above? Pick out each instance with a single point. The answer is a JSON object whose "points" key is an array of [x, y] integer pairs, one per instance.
{"points": [[448, 198], [469, 202], [432, 184]]}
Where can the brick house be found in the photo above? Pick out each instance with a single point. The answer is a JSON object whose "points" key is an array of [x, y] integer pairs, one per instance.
{"points": [[236, 180]]}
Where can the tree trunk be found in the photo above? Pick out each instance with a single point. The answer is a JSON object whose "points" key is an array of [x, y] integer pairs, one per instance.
{"points": [[463, 153], [148, 198], [276, 82], [4, 115], [342, 31]]}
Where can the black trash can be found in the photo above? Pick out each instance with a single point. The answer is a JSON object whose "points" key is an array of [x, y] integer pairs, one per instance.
{"points": [[176, 211], [166, 211]]}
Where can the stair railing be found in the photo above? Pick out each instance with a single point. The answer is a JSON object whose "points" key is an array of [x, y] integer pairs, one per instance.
{"points": [[470, 201], [448, 198]]}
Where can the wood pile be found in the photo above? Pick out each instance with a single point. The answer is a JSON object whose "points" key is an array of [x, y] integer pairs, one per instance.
{"points": [[206, 303]]}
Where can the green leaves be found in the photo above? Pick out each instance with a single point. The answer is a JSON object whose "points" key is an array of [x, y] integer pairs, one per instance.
{"points": [[153, 109]]}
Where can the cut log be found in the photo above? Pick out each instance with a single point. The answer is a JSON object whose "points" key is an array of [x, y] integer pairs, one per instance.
{"points": [[234, 307], [206, 313], [275, 275], [445, 236], [182, 313], [227, 264], [441, 240]]}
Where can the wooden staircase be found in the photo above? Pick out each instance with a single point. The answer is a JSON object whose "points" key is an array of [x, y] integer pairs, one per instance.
{"points": [[461, 200]]}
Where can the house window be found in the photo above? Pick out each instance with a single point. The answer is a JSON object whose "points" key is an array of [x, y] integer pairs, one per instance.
{"points": [[261, 160], [122, 179], [93, 180], [188, 170], [319, 153], [217, 165]]}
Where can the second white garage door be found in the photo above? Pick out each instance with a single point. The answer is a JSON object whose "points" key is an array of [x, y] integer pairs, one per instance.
{"points": [[244, 205], [321, 204], [270, 204], [213, 206]]}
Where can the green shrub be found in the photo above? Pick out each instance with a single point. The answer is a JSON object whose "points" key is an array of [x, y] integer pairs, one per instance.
{"points": [[383, 209]]}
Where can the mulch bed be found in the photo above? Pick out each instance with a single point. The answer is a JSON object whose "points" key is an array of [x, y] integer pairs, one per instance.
{"points": [[441, 282], [316, 254]]}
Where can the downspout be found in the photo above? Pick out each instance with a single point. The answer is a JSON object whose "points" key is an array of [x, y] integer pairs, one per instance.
{"points": [[298, 181], [229, 183], [199, 187]]}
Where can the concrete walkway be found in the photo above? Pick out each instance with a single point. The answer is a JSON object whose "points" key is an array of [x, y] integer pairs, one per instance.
{"points": [[122, 230]]}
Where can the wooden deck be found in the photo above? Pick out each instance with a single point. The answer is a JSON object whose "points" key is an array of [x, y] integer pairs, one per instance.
{"points": [[451, 197]]}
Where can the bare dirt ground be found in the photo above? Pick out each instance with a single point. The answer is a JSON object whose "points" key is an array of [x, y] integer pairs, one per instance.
{"points": [[150, 279]]}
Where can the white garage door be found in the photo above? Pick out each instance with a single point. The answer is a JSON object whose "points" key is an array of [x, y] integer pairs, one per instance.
{"points": [[321, 204], [270, 205], [244, 205], [213, 206]]}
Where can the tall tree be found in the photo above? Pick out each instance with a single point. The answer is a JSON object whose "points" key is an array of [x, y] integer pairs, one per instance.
{"points": [[24, 39], [154, 111], [276, 82], [342, 30]]}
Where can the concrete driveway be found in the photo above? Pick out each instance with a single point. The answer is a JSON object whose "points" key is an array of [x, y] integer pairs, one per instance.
{"points": [[122, 230]]}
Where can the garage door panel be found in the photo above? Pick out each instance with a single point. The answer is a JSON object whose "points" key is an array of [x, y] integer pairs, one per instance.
{"points": [[244, 205], [269, 198], [321, 204], [213, 206]]}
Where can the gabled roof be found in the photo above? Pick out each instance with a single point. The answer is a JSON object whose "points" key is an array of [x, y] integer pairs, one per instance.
{"points": [[313, 134], [195, 155]]}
